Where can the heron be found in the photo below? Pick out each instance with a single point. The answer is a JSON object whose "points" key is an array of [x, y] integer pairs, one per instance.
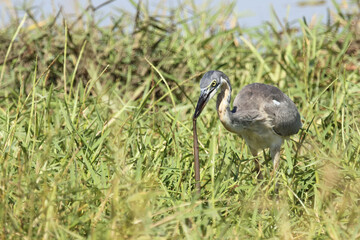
{"points": [[262, 114]]}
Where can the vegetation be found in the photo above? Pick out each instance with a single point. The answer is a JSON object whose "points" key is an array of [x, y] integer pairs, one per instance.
{"points": [[96, 127]]}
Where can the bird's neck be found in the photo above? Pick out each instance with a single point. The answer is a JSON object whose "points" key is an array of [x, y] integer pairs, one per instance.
{"points": [[223, 106]]}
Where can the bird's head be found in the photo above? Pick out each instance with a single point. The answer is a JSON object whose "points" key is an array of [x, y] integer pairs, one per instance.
{"points": [[209, 84]]}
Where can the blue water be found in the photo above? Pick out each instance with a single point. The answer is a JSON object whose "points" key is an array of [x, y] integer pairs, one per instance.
{"points": [[250, 12]]}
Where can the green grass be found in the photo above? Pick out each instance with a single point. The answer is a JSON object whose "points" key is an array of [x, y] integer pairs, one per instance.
{"points": [[96, 128]]}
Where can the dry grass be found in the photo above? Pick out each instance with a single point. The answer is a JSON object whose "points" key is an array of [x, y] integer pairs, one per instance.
{"points": [[96, 129]]}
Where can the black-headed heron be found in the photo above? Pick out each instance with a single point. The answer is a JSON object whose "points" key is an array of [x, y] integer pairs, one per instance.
{"points": [[262, 114]]}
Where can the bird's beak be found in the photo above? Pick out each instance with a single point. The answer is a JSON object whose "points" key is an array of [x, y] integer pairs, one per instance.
{"points": [[203, 99]]}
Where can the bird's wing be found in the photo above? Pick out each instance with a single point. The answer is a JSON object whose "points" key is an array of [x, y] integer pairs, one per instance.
{"points": [[260, 101], [247, 118], [283, 114]]}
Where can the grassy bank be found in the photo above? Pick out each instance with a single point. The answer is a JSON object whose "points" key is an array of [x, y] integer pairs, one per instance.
{"points": [[96, 128]]}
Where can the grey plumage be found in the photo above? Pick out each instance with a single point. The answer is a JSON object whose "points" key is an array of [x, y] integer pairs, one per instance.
{"points": [[258, 97], [262, 114]]}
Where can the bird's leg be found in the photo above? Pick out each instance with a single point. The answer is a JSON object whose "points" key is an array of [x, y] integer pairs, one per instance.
{"points": [[275, 156], [257, 164]]}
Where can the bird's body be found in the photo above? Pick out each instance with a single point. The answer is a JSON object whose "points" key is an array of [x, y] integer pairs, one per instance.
{"points": [[262, 115]]}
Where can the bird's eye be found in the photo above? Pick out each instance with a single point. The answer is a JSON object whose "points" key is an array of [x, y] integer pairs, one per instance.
{"points": [[213, 84]]}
